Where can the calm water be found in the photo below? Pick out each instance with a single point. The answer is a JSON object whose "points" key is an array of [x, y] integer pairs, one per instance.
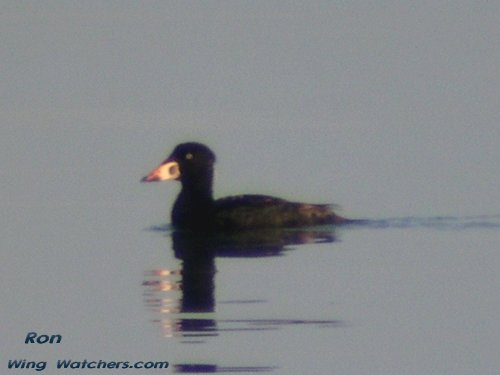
{"points": [[390, 110], [400, 295]]}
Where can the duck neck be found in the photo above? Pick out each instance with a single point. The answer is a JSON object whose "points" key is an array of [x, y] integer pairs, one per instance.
{"points": [[195, 204], [198, 187]]}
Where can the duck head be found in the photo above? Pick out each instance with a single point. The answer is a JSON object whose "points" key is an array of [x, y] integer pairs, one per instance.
{"points": [[191, 163]]}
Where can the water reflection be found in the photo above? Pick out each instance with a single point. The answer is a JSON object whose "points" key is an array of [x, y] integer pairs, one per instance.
{"points": [[214, 369], [184, 298]]}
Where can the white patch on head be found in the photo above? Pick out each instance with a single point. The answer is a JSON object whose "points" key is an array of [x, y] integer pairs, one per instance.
{"points": [[167, 171]]}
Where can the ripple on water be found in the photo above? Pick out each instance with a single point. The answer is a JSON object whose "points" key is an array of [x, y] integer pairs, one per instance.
{"points": [[437, 222]]}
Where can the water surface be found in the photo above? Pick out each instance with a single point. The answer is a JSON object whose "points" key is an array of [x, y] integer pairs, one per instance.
{"points": [[390, 111], [395, 295]]}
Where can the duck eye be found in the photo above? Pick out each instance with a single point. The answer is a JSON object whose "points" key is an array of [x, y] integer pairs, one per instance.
{"points": [[189, 156]]}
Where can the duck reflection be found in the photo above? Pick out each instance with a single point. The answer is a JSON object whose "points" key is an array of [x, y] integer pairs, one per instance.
{"points": [[185, 298], [207, 368]]}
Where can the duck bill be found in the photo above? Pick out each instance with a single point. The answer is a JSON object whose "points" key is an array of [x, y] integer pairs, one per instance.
{"points": [[168, 170]]}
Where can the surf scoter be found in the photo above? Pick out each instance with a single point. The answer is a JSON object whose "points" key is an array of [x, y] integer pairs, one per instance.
{"points": [[195, 208]]}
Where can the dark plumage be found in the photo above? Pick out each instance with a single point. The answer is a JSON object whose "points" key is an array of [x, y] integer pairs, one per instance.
{"points": [[193, 164]]}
